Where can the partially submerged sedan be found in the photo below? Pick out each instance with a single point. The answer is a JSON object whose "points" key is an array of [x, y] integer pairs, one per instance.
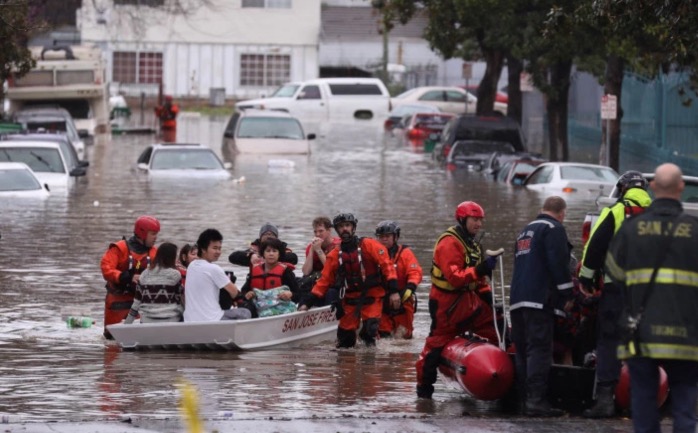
{"points": [[17, 180], [46, 160], [266, 132], [182, 160], [575, 178]]}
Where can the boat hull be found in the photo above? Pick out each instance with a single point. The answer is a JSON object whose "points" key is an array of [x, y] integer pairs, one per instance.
{"points": [[301, 327]]}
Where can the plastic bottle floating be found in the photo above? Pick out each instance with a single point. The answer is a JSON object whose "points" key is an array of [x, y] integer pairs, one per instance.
{"points": [[79, 322]]}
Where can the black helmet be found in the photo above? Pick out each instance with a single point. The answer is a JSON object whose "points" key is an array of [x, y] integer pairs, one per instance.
{"points": [[631, 179], [388, 228], [342, 218]]}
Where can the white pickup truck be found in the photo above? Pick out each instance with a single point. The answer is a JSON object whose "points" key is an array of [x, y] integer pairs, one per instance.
{"points": [[689, 200], [327, 99]]}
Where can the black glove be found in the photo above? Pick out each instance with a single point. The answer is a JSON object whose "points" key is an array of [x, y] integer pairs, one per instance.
{"points": [[337, 308], [232, 276], [486, 266], [125, 278]]}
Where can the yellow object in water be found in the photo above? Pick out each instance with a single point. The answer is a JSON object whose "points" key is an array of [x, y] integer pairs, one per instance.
{"points": [[189, 407]]}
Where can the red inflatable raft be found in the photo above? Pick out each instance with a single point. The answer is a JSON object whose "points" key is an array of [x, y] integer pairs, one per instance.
{"points": [[481, 369]]}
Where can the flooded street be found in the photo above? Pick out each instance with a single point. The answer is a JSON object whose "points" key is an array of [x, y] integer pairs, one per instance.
{"points": [[49, 269]]}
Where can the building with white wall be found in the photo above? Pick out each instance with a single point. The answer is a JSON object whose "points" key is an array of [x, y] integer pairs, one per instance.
{"points": [[247, 47]]}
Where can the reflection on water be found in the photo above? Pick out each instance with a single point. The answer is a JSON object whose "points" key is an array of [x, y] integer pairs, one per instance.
{"points": [[49, 268]]}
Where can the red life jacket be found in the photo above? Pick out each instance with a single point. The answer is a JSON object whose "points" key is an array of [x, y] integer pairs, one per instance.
{"points": [[359, 274], [136, 263], [259, 279]]}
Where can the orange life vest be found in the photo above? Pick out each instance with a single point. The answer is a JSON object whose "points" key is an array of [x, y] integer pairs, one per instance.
{"points": [[259, 279]]}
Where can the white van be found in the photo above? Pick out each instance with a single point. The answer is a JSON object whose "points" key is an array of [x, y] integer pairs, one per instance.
{"points": [[328, 99]]}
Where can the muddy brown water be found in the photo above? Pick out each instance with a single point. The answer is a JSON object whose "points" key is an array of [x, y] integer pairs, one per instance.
{"points": [[49, 268]]}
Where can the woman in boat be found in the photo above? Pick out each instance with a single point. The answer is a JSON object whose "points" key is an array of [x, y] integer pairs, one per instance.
{"points": [[269, 275], [159, 290], [186, 255]]}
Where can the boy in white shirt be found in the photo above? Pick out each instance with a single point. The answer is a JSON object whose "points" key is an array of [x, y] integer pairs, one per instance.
{"points": [[204, 281]]}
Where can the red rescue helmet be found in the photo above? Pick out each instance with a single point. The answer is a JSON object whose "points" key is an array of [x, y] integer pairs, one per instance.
{"points": [[468, 209], [145, 224]]}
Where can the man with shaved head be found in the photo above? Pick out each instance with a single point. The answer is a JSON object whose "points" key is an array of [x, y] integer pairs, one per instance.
{"points": [[655, 260]]}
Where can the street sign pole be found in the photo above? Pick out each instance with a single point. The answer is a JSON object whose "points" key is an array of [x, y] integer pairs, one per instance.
{"points": [[467, 74], [609, 110]]}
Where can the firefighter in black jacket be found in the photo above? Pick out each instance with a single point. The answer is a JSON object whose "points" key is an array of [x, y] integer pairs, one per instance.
{"points": [[540, 287], [633, 200], [654, 259]]}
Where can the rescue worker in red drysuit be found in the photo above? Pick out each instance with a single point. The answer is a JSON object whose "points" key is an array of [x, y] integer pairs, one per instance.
{"points": [[460, 299], [167, 116], [357, 266], [122, 265], [398, 323]]}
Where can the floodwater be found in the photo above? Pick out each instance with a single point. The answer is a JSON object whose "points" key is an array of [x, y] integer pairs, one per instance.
{"points": [[49, 269]]}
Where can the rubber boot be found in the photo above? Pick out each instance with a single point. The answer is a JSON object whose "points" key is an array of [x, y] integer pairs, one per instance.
{"points": [[425, 391], [537, 405], [604, 406]]}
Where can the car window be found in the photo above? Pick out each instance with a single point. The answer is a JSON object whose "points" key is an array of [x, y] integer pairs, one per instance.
{"points": [[232, 123], [434, 122], [144, 157], [690, 193], [503, 172], [433, 95], [542, 175], [310, 92], [448, 130], [182, 159], [17, 180], [39, 159], [270, 127], [47, 126], [69, 153], [581, 172], [453, 96], [355, 89], [286, 91]]}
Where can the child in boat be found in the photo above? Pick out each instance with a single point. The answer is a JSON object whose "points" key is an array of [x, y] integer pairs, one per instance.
{"points": [[269, 275], [159, 290]]}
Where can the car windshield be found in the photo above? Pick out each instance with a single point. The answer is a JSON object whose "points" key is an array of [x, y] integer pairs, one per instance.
{"points": [[524, 167], [583, 172], [47, 126], [470, 147], [17, 180], [39, 159], [285, 91], [270, 127], [185, 159], [405, 94]]}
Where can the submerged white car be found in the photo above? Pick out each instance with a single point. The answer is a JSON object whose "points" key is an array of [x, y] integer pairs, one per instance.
{"points": [[46, 160], [574, 178], [18, 180], [183, 160], [266, 132]]}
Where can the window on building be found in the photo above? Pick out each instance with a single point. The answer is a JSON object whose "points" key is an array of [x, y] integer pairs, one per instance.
{"points": [[264, 70], [270, 4], [151, 3], [132, 67]]}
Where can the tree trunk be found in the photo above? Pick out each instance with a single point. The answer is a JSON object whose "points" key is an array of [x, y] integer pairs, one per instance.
{"points": [[614, 85], [515, 105], [556, 106], [488, 86]]}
